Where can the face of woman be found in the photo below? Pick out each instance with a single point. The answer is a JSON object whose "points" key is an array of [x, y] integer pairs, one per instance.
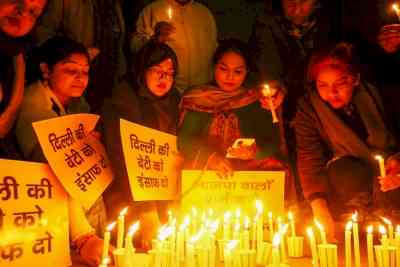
{"points": [[159, 78], [17, 17], [298, 11], [69, 77], [230, 71], [336, 86]]}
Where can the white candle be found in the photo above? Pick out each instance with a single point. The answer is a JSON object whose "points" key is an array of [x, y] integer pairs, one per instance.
{"points": [[121, 228], [390, 228], [246, 237], [357, 259], [397, 244], [267, 93], [275, 250], [370, 246], [260, 223], [106, 241], [282, 233], [384, 238], [381, 162], [292, 225], [322, 231], [271, 226], [313, 246], [227, 226], [129, 236], [347, 237]]}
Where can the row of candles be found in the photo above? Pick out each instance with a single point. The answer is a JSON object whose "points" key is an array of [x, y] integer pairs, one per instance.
{"points": [[241, 242]]}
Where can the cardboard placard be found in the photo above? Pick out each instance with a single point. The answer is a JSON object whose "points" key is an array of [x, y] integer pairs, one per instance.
{"points": [[77, 158], [33, 216], [150, 161], [206, 189]]}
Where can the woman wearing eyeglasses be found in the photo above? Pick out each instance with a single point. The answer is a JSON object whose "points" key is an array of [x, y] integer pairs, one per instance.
{"points": [[147, 97], [340, 127]]}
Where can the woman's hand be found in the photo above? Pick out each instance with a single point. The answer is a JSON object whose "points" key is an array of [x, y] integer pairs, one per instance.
{"points": [[277, 96], [392, 179], [221, 165], [389, 38]]}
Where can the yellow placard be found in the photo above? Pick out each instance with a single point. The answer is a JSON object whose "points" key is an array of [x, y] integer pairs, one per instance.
{"points": [[77, 158], [206, 190], [150, 162], [33, 216]]}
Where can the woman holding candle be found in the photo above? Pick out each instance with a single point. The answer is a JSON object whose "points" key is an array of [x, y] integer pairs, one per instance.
{"points": [[63, 65], [213, 116], [339, 127], [148, 97]]}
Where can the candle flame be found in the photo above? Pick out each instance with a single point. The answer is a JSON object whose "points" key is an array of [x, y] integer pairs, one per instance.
{"points": [[246, 222], [214, 226], [378, 157], [259, 206], [196, 237], [231, 245], [349, 225], [227, 216], [133, 228], [354, 217], [290, 216], [110, 227], [395, 7], [186, 222], [398, 229], [276, 240], [238, 213], [284, 229], [194, 211], [382, 229], [319, 225], [105, 261], [210, 212], [266, 91], [169, 13], [370, 229], [237, 226], [123, 211], [386, 220], [270, 215], [310, 232], [165, 232]]}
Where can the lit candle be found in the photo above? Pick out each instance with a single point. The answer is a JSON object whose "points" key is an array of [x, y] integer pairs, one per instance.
{"points": [[106, 241], [282, 233], [254, 233], [381, 162], [292, 225], [129, 249], [384, 238], [390, 228], [132, 230], [347, 237], [322, 231], [121, 228], [357, 259], [397, 244], [275, 250], [227, 225], [313, 246], [271, 226], [396, 9], [370, 246], [169, 13], [267, 93], [246, 237], [260, 223]]}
